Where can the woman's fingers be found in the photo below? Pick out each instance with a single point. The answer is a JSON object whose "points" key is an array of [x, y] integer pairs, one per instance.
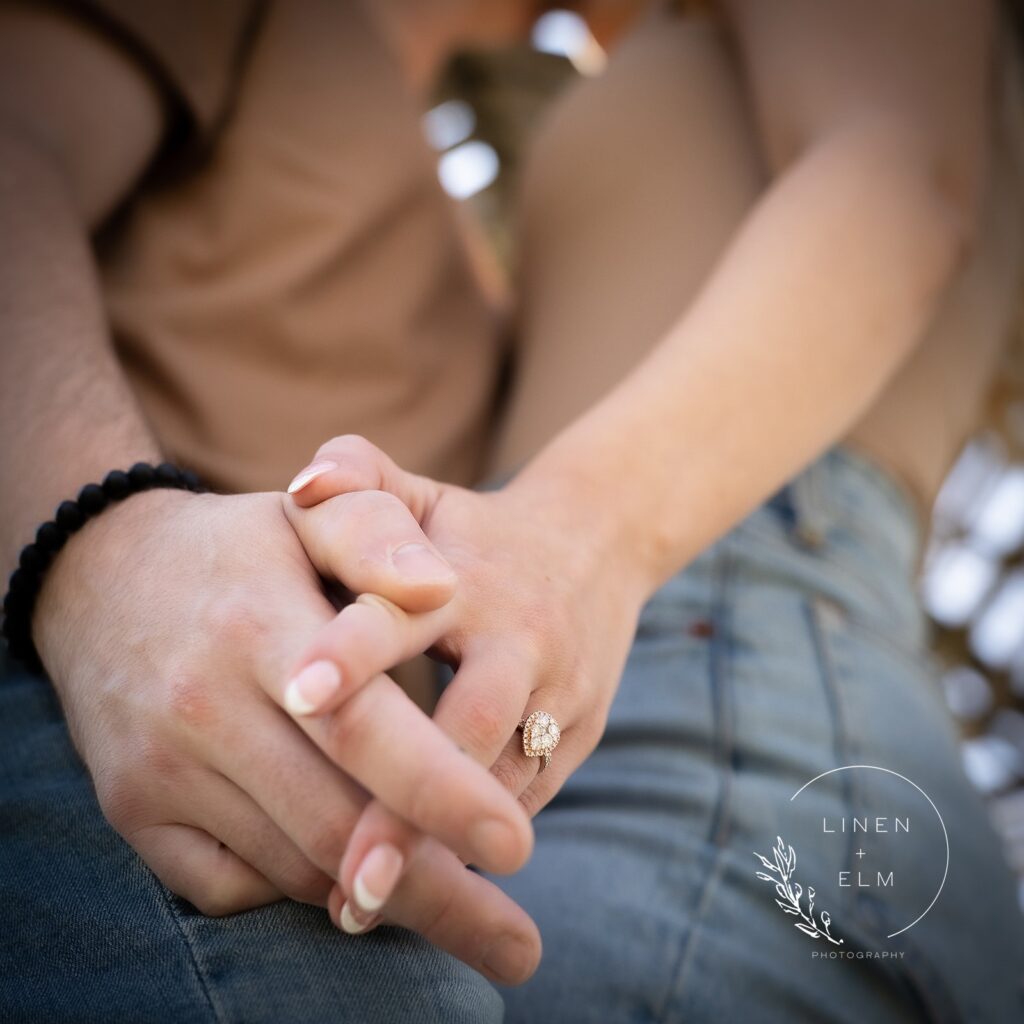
{"points": [[367, 637], [351, 463], [383, 740], [482, 705], [574, 747], [202, 870], [459, 911], [370, 542], [380, 836]]}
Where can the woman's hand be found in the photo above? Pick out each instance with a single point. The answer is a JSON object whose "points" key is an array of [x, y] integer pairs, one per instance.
{"points": [[542, 619], [167, 624]]}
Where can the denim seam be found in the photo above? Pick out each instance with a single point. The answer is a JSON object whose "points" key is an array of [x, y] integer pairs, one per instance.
{"points": [[193, 953], [841, 751], [763, 532], [907, 974], [822, 558], [724, 746]]}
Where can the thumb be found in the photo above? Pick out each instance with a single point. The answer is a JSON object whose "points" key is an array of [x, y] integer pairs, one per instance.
{"points": [[351, 463], [370, 543]]}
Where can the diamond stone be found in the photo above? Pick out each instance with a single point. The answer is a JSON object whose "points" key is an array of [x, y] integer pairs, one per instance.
{"points": [[540, 734]]}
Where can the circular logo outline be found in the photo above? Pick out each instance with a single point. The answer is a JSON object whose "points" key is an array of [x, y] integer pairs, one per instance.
{"points": [[945, 834]]}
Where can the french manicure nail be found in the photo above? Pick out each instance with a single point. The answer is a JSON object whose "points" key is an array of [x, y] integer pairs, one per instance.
{"points": [[418, 563], [349, 923], [377, 877], [311, 688], [310, 473]]}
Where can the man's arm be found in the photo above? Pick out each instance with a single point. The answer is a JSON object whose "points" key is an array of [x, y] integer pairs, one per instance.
{"points": [[78, 124], [166, 618]]}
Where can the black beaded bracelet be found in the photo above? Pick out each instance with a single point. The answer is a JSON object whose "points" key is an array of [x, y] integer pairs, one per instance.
{"points": [[27, 579]]}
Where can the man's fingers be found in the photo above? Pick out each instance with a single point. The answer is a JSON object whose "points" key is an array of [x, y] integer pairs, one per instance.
{"points": [[370, 542], [313, 803], [461, 912], [383, 740], [479, 710], [224, 811], [367, 637], [203, 870]]}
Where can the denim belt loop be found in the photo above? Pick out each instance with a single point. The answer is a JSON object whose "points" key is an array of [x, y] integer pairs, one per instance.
{"points": [[811, 511]]}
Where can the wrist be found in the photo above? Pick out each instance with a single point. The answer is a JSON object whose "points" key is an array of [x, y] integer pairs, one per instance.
{"points": [[93, 560], [587, 501]]}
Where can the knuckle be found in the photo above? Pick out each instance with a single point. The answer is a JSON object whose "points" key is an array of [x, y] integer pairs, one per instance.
{"points": [[510, 773], [433, 921], [233, 622], [366, 508], [351, 448], [327, 845], [214, 897], [482, 723], [346, 727], [131, 788], [121, 800], [530, 658], [302, 881], [190, 701], [429, 806], [533, 799]]}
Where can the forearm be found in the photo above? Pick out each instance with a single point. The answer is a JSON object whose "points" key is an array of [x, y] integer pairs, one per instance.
{"points": [[67, 415], [823, 293]]}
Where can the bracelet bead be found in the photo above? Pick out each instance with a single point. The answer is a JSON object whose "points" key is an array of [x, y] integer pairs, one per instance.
{"points": [[51, 537], [91, 499], [116, 485], [69, 516], [34, 559], [168, 475], [142, 475], [20, 582]]}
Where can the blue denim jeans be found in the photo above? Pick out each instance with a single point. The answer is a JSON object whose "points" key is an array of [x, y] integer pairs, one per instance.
{"points": [[793, 647]]}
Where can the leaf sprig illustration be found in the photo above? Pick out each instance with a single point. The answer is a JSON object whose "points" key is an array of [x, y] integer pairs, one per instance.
{"points": [[790, 893]]}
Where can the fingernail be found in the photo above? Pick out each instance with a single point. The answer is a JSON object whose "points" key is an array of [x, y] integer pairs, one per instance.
{"points": [[510, 958], [416, 562], [349, 923], [308, 691], [490, 839], [310, 473], [377, 877]]}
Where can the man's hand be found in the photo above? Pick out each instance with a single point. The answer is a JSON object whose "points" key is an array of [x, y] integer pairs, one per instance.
{"points": [[165, 624], [543, 618]]}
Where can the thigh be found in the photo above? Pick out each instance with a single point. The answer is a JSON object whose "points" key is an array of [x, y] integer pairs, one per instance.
{"points": [[91, 935], [745, 682]]}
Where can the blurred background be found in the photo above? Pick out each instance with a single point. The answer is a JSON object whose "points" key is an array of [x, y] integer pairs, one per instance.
{"points": [[972, 578]]}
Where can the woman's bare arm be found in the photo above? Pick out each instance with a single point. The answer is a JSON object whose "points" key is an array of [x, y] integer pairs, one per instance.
{"points": [[874, 118]]}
